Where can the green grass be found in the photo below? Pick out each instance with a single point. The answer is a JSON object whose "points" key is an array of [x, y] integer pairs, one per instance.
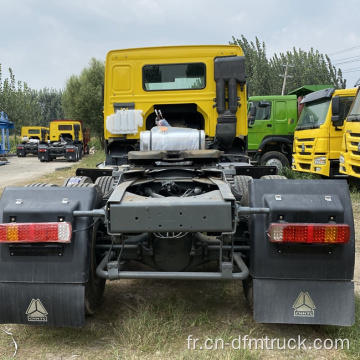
{"points": [[290, 174], [152, 319]]}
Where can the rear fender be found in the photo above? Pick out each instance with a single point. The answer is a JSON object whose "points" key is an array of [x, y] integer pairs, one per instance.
{"points": [[43, 284], [301, 284], [300, 201]]}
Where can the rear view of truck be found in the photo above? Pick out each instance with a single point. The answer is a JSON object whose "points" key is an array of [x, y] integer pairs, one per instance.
{"points": [[30, 138], [67, 140], [176, 193]]}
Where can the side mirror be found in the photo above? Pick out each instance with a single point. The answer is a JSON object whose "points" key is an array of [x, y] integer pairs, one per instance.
{"points": [[335, 112], [252, 115]]}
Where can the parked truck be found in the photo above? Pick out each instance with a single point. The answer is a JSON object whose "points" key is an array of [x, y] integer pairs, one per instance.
{"points": [[174, 193], [318, 135], [68, 139], [350, 147], [30, 138], [272, 121]]}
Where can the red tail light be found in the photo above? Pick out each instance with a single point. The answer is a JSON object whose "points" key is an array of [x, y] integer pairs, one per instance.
{"points": [[36, 232], [42, 150], [309, 233], [70, 150]]}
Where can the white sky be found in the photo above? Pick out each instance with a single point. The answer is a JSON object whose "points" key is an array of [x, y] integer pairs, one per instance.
{"points": [[44, 42]]}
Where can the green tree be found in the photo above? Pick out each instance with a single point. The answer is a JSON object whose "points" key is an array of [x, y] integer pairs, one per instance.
{"points": [[305, 68], [50, 104], [19, 102], [82, 98]]}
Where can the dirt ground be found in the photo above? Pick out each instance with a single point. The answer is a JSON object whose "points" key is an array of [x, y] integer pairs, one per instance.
{"points": [[26, 169]]}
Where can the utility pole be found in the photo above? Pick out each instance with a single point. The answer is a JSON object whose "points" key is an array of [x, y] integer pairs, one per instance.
{"points": [[285, 76]]}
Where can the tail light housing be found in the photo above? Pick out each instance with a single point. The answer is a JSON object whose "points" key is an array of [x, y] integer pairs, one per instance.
{"points": [[59, 232], [309, 233]]}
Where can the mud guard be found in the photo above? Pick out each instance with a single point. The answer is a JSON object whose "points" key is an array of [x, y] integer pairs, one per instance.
{"points": [[60, 305], [301, 284], [43, 284], [304, 302]]}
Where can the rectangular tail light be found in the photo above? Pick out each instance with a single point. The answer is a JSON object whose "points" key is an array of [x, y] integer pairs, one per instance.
{"points": [[35, 232], [309, 233]]}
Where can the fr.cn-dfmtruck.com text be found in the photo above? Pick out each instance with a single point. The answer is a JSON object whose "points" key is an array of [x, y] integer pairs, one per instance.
{"points": [[266, 343]]}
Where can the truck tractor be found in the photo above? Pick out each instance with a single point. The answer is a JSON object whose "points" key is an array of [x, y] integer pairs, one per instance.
{"points": [[68, 139], [177, 199], [350, 149], [272, 121], [30, 138], [319, 132]]}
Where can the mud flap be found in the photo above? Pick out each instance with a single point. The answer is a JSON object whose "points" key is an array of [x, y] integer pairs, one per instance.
{"points": [[60, 305], [304, 302]]}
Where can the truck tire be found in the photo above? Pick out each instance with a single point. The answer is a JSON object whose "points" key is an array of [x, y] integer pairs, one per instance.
{"points": [[277, 177], [275, 158], [98, 191], [105, 183], [95, 286], [40, 185], [77, 179], [241, 184], [248, 282]]}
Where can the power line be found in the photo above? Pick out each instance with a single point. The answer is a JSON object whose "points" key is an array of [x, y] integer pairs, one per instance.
{"points": [[346, 62], [354, 58], [350, 70], [345, 50]]}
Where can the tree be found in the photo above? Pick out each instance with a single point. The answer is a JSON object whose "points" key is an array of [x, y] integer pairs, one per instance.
{"points": [[307, 68], [82, 98], [49, 101], [19, 102]]}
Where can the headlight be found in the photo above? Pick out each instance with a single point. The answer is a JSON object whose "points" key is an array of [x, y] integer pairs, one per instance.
{"points": [[342, 159], [320, 160]]}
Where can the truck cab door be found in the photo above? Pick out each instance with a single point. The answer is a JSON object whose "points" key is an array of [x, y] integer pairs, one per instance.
{"points": [[284, 118], [262, 125], [337, 126]]}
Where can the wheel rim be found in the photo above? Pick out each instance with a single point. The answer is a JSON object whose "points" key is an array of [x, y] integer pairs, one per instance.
{"points": [[274, 162]]}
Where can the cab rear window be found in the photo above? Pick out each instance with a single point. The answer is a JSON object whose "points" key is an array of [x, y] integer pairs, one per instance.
{"points": [[188, 76]]}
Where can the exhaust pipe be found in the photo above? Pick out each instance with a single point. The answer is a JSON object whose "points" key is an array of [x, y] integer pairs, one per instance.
{"points": [[228, 72]]}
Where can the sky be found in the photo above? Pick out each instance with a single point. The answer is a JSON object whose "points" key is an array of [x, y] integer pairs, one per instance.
{"points": [[45, 42]]}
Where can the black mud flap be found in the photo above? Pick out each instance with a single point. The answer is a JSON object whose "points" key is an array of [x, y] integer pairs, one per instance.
{"points": [[304, 302], [60, 305]]}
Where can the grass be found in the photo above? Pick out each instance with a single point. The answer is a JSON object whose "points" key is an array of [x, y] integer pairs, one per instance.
{"points": [[152, 319]]}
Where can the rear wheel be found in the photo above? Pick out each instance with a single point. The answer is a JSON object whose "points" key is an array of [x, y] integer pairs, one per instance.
{"points": [[241, 184], [105, 183], [77, 180], [40, 185], [275, 158], [278, 177], [95, 286]]}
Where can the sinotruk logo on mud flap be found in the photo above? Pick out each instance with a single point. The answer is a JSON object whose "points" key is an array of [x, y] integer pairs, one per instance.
{"points": [[36, 311], [304, 306]]}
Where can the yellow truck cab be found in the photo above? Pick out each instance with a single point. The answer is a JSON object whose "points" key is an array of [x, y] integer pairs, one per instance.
{"points": [[350, 153], [197, 87], [319, 132], [30, 138], [67, 139]]}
